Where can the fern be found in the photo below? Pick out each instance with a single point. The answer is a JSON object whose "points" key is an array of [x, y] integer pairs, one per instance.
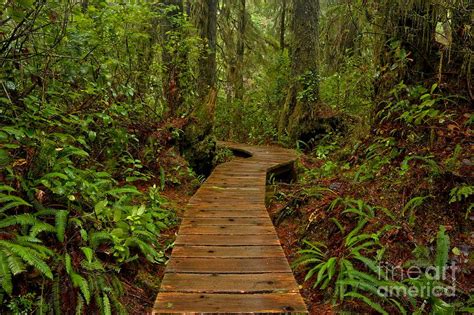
{"points": [[10, 201], [15, 264], [79, 305], [80, 282], [367, 301], [61, 222], [340, 270], [106, 302], [97, 238], [5, 274], [29, 256], [56, 296], [442, 248], [411, 205]]}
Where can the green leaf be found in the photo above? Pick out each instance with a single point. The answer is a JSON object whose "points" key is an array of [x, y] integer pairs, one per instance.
{"points": [[4, 157], [88, 252], [61, 223], [442, 247], [367, 301], [106, 302], [30, 256], [80, 282]]}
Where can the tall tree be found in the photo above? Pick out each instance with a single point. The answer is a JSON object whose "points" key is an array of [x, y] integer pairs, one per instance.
{"points": [[198, 145], [298, 116], [173, 59], [409, 27], [205, 18], [282, 24], [239, 64]]}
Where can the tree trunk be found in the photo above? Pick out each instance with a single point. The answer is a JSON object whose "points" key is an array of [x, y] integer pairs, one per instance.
{"points": [[239, 75], [282, 25], [298, 117], [413, 27], [198, 145], [205, 18], [173, 59]]}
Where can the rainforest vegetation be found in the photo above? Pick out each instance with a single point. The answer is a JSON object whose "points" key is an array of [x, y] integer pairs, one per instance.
{"points": [[110, 111]]}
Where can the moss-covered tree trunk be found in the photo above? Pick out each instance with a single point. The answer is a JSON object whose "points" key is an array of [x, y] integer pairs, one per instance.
{"points": [[173, 59], [298, 116], [198, 145], [408, 30]]}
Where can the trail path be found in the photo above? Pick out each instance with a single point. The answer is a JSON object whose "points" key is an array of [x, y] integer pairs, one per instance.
{"points": [[227, 256]]}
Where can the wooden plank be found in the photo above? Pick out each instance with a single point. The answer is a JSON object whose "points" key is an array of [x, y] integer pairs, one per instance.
{"points": [[228, 265], [221, 207], [169, 303], [228, 251], [229, 283], [227, 240], [203, 213], [226, 230], [226, 221]]}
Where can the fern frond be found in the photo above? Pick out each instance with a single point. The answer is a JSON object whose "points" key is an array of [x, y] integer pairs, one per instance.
{"points": [[150, 253], [442, 248], [15, 265], [367, 301], [21, 219], [5, 275], [56, 297], [30, 256], [118, 306], [61, 222], [106, 302], [97, 238], [79, 304], [41, 227], [34, 243], [80, 282], [10, 202]]}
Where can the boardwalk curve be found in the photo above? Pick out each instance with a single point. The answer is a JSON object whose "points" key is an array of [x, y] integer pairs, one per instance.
{"points": [[227, 256]]}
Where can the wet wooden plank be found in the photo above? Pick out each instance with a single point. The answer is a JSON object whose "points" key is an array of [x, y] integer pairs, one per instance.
{"points": [[226, 221], [236, 213], [228, 251], [229, 283], [227, 230], [170, 302], [227, 240], [228, 265]]}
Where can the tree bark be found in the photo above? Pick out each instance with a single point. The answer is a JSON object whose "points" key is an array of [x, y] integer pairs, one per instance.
{"points": [[173, 60], [240, 52], [298, 116], [282, 25], [205, 16], [198, 145]]}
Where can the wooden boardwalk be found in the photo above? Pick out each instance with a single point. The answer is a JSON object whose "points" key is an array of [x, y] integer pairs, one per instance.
{"points": [[227, 257]]}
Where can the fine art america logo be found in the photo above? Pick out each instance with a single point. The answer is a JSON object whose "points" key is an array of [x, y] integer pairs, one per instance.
{"points": [[417, 281]]}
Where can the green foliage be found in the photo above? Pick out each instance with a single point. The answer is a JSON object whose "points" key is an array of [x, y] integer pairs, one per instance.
{"points": [[434, 279], [18, 252], [414, 105], [411, 205], [462, 193], [75, 101], [341, 271], [378, 155]]}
